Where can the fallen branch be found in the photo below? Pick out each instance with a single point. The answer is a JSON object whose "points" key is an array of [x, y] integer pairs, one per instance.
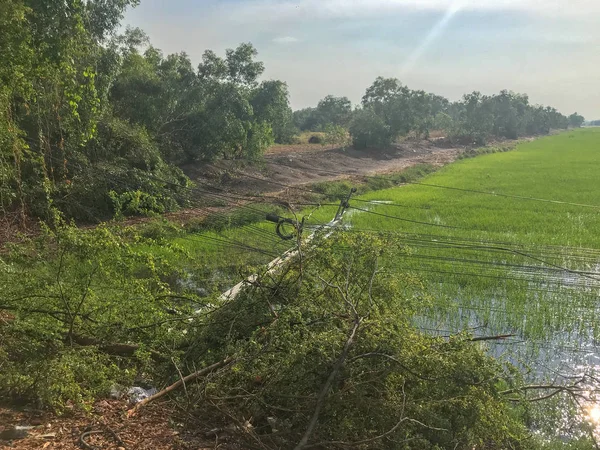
{"points": [[535, 387], [180, 382], [492, 338], [117, 349], [574, 390], [83, 443]]}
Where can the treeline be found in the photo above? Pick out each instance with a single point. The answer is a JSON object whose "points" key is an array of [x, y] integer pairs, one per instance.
{"points": [[390, 110], [93, 123]]}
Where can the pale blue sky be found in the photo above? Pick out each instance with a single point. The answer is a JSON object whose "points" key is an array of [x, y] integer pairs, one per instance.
{"points": [[549, 49]]}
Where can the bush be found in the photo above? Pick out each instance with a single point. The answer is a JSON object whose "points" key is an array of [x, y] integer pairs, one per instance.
{"points": [[235, 219], [368, 130], [135, 203], [473, 152], [159, 229], [333, 190], [336, 135]]}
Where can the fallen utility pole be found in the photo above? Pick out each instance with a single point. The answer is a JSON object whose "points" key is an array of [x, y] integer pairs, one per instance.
{"points": [[277, 262]]}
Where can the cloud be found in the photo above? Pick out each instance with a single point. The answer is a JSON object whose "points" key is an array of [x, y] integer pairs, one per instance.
{"points": [[285, 40]]}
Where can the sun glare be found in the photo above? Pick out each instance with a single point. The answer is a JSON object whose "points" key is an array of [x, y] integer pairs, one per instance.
{"points": [[433, 35], [594, 414]]}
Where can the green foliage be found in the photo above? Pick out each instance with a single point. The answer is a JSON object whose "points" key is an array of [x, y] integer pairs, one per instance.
{"points": [[136, 203], [270, 103], [576, 120], [232, 220], [506, 115], [73, 303], [334, 310], [316, 139], [336, 135], [84, 111], [305, 119], [336, 111], [337, 190], [473, 152], [369, 130], [333, 190], [394, 110], [118, 140]]}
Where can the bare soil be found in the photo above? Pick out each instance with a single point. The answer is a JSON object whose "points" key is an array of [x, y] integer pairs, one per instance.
{"points": [[298, 165]]}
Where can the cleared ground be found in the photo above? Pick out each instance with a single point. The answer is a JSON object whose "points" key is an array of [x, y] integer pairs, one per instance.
{"points": [[297, 165]]}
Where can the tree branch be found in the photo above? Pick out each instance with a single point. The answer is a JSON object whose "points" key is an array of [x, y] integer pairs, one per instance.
{"points": [[492, 338], [118, 349], [180, 382]]}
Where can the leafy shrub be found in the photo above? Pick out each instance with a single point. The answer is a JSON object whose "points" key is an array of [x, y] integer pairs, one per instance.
{"points": [[368, 130], [66, 377], [135, 203], [88, 196], [336, 135], [336, 190], [234, 219], [333, 190], [473, 152]]}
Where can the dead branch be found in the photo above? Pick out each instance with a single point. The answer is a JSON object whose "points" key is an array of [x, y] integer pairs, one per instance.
{"points": [[181, 382], [534, 387], [328, 444], [492, 338], [403, 419], [117, 349]]}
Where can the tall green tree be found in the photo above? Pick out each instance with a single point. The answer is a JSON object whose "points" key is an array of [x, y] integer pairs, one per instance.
{"points": [[51, 102], [270, 103], [334, 111]]}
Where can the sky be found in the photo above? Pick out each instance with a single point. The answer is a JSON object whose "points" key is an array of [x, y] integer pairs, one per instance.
{"points": [[548, 49]]}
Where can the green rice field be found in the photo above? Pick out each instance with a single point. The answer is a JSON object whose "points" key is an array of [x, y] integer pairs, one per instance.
{"points": [[507, 241]]}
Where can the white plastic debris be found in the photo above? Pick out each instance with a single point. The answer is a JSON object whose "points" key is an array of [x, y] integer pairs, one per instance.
{"points": [[136, 394]]}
